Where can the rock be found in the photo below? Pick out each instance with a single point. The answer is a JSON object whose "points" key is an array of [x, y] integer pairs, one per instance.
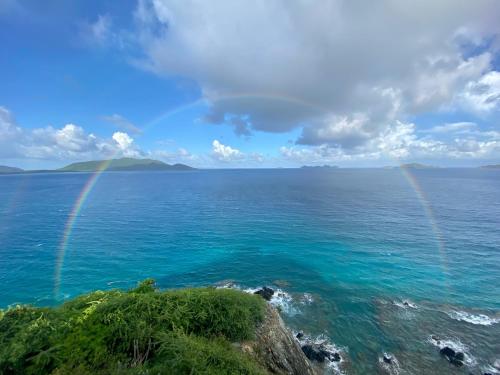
{"points": [[405, 303], [456, 362], [387, 359], [455, 358], [276, 347], [299, 335], [265, 293], [315, 352], [447, 352]]}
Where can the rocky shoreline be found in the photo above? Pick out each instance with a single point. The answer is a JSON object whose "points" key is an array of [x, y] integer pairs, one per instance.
{"points": [[281, 351]]}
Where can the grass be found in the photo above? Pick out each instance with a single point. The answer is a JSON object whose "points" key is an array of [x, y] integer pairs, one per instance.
{"points": [[140, 331]]}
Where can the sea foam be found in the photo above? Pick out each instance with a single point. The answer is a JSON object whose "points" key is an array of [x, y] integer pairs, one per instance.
{"points": [[479, 319], [456, 345]]}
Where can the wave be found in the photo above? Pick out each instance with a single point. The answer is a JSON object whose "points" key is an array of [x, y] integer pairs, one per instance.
{"points": [[404, 304], [456, 345], [489, 369], [479, 319]]}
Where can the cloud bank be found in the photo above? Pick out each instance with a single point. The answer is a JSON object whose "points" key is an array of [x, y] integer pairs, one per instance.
{"points": [[346, 73]]}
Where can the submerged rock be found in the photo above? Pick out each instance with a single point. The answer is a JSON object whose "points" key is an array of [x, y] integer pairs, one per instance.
{"points": [[453, 357], [266, 293], [387, 359]]}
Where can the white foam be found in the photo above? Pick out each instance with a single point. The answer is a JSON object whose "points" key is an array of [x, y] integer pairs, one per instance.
{"points": [[307, 299], [404, 304], [457, 346], [280, 299], [491, 370], [392, 368], [284, 302], [322, 340], [479, 319]]}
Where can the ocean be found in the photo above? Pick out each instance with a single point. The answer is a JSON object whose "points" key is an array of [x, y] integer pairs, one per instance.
{"points": [[374, 261]]}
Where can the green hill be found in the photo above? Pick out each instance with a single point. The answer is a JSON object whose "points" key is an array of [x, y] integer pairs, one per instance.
{"points": [[5, 169], [124, 164]]}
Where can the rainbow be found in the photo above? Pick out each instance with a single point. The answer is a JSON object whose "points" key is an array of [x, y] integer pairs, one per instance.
{"points": [[424, 201], [85, 192], [70, 223]]}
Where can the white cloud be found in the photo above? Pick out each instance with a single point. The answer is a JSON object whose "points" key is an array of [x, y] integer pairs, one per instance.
{"points": [[400, 142], [483, 95], [342, 71], [225, 153], [456, 127], [70, 142]]}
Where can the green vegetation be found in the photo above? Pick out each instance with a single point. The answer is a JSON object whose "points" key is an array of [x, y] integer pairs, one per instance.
{"points": [[123, 164], [141, 331]]}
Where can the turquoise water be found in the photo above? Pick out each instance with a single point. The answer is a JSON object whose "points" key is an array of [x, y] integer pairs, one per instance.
{"points": [[346, 246]]}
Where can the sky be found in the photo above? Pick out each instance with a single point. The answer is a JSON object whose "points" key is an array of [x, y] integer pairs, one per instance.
{"points": [[250, 83]]}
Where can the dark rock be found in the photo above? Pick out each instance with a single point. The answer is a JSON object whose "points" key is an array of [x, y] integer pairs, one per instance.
{"points": [[265, 293], [315, 353], [299, 335], [335, 357], [447, 352], [455, 358], [456, 362], [387, 359], [405, 303]]}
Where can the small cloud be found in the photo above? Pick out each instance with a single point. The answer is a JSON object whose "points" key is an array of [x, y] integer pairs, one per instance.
{"points": [[456, 127], [225, 153], [122, 123]]}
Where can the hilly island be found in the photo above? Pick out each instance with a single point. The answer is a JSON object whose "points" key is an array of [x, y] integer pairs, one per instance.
{"points": [[122, 164]]}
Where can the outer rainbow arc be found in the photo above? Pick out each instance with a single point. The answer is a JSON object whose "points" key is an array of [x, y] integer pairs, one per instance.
{"points": [[68, 228]]}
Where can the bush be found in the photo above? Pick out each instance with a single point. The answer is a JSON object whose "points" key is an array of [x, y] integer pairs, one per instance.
{"points": [[140, 331]]}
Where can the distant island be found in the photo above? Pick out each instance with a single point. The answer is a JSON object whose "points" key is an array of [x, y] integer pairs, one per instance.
{"points": [[492, 166], [319, 166], [123, 164], [416, 166], [5, 169]]}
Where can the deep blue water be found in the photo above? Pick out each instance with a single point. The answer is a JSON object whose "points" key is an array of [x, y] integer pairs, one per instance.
{"points": [[358, 242]]}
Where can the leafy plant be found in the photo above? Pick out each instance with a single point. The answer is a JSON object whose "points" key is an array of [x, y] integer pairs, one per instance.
{"points": [[140, 331]]}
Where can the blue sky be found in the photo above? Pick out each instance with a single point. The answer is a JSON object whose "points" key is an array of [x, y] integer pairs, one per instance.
{"points": [[238, 84]]}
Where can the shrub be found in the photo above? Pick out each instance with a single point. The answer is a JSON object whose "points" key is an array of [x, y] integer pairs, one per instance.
{"points": [[140, 331]]}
